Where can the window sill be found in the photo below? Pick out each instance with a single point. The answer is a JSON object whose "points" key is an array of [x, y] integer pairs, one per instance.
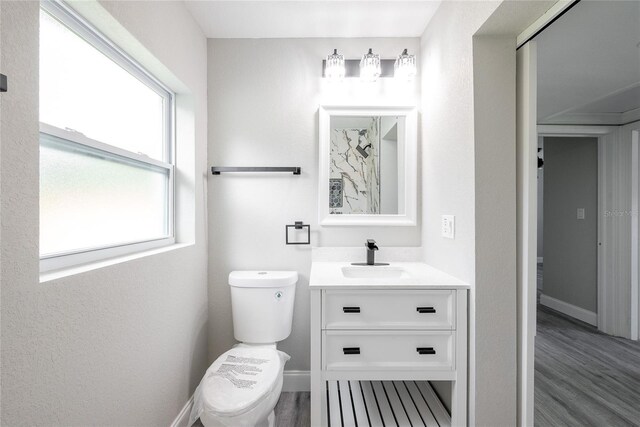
{"points": [[50, 276]]}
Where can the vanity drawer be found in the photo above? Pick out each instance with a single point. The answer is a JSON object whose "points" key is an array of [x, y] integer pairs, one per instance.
{"points": [[389, 350], [388, 309]]}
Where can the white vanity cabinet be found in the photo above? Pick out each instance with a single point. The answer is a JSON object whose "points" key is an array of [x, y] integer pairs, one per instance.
{"points": [[374, 337]]}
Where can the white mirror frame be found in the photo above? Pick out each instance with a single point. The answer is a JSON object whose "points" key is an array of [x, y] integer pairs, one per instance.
{"points": [[407, 161]]}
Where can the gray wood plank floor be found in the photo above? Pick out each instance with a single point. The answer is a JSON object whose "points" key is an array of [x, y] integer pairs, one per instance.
{"points": [[583, 377], [293, 410]]}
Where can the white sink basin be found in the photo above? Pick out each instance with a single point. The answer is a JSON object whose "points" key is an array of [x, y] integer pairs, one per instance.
{"points": [[374, 272]]}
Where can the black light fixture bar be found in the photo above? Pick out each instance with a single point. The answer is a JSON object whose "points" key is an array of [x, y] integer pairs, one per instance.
{"points": [[352, 67], [217, 170]]}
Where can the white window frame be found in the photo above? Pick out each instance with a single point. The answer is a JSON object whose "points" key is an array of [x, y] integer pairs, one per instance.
{"points": [[95, 38]]}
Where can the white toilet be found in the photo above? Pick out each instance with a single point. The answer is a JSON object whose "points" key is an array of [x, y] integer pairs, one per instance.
{"points": [[243, 385]]}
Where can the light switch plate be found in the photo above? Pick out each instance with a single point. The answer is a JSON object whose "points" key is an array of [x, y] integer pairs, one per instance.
{"points": [[448, 226], [580, 213]]}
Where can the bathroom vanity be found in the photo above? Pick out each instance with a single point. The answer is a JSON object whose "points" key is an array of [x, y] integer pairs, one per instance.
{"points": [[378, 335]]}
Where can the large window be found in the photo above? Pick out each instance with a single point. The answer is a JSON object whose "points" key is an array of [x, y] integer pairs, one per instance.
{"points": [[106, 152]]}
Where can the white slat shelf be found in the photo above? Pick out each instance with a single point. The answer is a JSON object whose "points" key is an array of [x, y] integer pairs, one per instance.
{"points": [[384, 403]]}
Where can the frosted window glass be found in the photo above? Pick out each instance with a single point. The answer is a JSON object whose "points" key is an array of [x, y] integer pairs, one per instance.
{"points": [[84, 90], [92, 199]]}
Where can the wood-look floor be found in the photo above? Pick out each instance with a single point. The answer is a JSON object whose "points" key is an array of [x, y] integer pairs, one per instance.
{"points": [[293, 410], [583, 377]]}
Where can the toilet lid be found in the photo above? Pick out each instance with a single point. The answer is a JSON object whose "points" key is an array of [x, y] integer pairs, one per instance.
{"points": [[240, 379]]}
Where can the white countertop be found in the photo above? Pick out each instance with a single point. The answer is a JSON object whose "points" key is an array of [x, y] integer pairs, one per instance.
{"points": [[414, 275]]}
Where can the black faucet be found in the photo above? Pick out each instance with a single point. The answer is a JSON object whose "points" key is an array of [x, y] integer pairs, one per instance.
{"points": [[371, 251]]}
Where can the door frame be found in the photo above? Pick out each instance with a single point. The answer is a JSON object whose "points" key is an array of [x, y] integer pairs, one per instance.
{"points": [[602, 133], [635, 234]]}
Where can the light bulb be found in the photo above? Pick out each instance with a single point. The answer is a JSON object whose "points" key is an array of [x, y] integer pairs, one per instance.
{"points": [[405, 66], [334, 66], [370, 67]]}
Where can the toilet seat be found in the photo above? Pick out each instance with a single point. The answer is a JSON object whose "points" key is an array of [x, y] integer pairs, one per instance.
{"points": [[241, 379]]}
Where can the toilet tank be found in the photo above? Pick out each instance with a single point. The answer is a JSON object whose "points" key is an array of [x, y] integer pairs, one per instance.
{"points": [[262, 305]]}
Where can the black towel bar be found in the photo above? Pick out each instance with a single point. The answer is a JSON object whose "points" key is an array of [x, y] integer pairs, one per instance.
{"points": [[216, 170]]}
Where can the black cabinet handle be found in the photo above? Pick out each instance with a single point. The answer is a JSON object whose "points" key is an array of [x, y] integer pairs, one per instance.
{"points": [[351, 309], [425, 350], [351, 350], [422, 310]]}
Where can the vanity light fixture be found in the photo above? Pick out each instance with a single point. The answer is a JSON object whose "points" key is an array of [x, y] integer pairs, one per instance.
{"points": [[405, 66], [334, 66], [370, 66]]}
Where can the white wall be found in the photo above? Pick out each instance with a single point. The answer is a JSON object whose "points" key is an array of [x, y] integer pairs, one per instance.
{"points": [[263, 110], [468, 99], [124, 344]]}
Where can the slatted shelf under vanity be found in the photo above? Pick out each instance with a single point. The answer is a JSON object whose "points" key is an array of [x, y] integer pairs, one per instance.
{"points": [[384, 404]]}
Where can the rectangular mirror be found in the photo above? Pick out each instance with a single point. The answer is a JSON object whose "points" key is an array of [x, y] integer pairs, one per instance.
{"points": [[368, 166]]}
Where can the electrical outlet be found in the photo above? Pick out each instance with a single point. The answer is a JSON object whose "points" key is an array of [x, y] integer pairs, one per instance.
{"points": [[448, 226], [580, 213]]}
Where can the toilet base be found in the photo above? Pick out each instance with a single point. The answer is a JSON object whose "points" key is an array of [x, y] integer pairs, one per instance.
{"points": [[270, 421], [209, 420]]}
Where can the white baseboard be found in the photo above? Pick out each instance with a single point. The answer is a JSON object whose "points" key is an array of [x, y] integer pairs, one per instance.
{"points": [[570, 309], [540, 260], [296, 381], [182, 420]]}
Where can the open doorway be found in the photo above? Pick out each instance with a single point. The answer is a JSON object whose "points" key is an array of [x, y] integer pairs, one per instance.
{"points": [[568, 226], [579, 287]]}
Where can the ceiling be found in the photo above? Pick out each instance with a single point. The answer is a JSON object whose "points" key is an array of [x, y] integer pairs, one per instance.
{"points": [[589, 65], [309, 18]]}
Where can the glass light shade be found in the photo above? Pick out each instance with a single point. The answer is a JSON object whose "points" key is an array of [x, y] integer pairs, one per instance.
{"points": [[370, 67], [405, 66], [334, 66]]}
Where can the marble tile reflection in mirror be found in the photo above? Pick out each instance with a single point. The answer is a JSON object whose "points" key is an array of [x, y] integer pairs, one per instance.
{"points": [[367, 166], [363, 176]]}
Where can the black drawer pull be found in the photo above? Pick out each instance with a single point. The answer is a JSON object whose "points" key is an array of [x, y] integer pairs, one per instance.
{"points": [[351, 350], [351, 309], [425, 350], [422, 310]]}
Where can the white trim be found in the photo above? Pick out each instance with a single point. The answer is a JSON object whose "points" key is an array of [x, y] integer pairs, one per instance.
{"points": [[605, 135], [295, 381], [408, 213], [635, 233], [84, 268], [540, 260], [527, 215], [574, 130], [630, 116], [182, 420], [541, 22], [605, 119], [80, 139], [569, 309], [56, 263]]}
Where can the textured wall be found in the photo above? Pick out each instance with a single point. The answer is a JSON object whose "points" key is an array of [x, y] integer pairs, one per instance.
{"points": [[571, 249], [124, 344], [263, 110], [469, 171]]}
